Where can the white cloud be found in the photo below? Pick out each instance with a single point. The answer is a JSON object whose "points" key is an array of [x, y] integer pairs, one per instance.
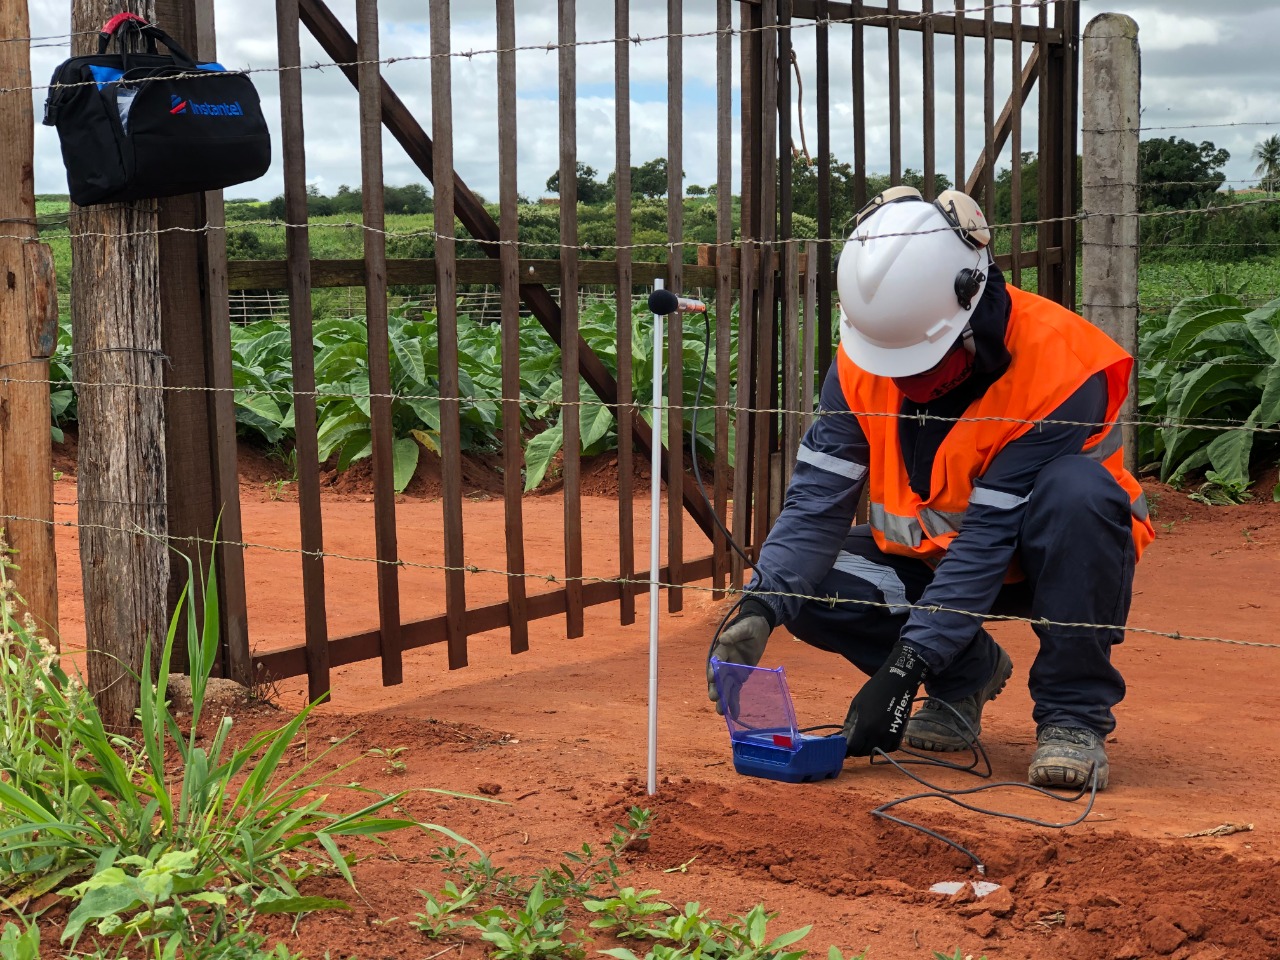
{"points": [[1196, 70]]}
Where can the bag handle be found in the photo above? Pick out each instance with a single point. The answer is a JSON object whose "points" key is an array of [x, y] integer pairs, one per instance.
{"points": [[123, 24]]}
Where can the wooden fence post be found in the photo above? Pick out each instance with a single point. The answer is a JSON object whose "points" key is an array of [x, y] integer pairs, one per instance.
{"points": [[200, 417], [28, 335], [115, 314], [1112, 70]]}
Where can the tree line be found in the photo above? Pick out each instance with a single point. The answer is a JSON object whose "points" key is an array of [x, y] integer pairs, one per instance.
{"points": [[1175, 174]]}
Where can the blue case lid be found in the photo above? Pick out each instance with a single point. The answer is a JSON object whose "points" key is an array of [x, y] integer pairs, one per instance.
{"points": [[757, 703]]}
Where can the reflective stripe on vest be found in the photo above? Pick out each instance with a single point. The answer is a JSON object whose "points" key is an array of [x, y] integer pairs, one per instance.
{"points": [[1111, 443], [908, 531], [903, 530], [1139, 508]]}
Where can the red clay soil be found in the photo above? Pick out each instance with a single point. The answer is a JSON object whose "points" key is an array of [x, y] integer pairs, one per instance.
{"points": [[558, 735]]}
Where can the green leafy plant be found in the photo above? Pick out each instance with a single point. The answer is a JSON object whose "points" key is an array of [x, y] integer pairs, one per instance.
{"points": [[627, 912], [440, 915], [582, 871], [391, 757], [598, 430], [1212, 382], [748, 938], [20, 943], [76, 798], [690, 927], [533, 932]]}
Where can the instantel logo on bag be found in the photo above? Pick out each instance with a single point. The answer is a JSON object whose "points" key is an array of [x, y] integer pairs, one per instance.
{"points": [[179, 106]]}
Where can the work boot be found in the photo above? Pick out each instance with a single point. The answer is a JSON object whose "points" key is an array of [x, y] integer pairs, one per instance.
{"points": [[1066, 756], [936, 727]]}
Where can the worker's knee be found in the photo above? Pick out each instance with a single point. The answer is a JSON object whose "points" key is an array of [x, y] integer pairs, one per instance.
{"points": [[1077, 486]]}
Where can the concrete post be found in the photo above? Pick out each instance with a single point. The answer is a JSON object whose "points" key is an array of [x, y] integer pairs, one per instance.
{"points": [[1112, 71]]}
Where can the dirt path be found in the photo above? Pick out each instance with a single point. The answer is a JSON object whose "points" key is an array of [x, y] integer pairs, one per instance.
{"points": [[562, 728]]}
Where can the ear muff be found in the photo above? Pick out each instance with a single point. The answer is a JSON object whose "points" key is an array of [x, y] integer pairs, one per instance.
{"points": [[968, 283], [965, 217]]}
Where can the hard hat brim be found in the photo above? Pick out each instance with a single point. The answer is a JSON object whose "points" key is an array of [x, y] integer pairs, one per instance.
{"points": [[882, 361]]}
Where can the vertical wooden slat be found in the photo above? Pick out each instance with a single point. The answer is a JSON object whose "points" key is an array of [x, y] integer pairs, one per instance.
{"points": [[1069, 14], [959, 180], [235, 616], [930, 80], [509, 258], [807, 392], [895, 95], [790, 355], [1015, 149], [858, 66], [792, 360], [675, 322], [826, 228], [751, 46], [750, 17], [569, 349], [765, 370], [724, 274], [455, 587], [1047, 184], [375, 305], [989, 105], [298, 255], [622, 217], [742, 474]]}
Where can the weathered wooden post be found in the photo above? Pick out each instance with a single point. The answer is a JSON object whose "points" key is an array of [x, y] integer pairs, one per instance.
{"points": [[28, 335], [1112, 71], [115, 315]]}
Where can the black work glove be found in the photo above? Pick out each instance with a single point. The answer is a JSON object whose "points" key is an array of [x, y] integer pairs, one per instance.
{"points": [[742, 641], [879, 712]]}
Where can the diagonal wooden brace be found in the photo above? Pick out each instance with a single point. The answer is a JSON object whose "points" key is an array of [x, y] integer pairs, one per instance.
{"points": [[341, 48]]}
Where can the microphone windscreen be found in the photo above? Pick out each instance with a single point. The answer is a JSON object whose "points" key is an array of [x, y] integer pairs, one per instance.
{"points": [[663, 302]]}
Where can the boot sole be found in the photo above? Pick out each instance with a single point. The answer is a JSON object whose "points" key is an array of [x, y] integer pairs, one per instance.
{"points": [[1063, 773], [941, 744]]}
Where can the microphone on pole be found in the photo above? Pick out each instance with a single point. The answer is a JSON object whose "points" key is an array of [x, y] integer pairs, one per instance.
{"points": [[664, 302]]}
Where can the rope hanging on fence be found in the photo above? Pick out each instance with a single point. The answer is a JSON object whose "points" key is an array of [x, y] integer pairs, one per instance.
{"points": [[621, 581]]}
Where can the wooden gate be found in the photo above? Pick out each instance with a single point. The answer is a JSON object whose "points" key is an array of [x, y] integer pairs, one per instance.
{"points": [[785, 330]]}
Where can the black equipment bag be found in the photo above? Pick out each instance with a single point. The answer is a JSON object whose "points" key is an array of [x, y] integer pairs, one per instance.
{"points": [[137, 125]]}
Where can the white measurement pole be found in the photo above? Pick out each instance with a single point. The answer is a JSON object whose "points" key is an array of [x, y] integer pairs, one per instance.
{"points": [[655, 473]]}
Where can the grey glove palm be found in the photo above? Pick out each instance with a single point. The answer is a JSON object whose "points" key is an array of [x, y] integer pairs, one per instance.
{"points": [[742, 641]]}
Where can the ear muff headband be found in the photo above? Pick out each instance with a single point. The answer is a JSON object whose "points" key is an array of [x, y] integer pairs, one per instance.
{"points": [[960, 210]]}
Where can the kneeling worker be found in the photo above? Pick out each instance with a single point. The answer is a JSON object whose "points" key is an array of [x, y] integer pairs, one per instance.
{"points": [[976, 506]]}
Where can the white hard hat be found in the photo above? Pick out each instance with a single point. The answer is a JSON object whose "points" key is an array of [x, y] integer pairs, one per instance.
{"points": [[910, 276]]}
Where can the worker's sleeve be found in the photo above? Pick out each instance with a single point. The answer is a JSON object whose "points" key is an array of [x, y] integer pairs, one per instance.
{"points": [[830, 471], [973, 570]]}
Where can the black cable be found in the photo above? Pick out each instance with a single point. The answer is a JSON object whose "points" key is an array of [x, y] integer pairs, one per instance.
{"points": [[943, 793]]}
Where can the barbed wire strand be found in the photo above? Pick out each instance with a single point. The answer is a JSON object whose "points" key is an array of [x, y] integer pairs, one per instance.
{"points": [[1080, 217], [971, 13], [1204, 423], [552, 578]]}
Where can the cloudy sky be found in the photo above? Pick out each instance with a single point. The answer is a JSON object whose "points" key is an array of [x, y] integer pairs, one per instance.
{"points": [[1200, 66]]}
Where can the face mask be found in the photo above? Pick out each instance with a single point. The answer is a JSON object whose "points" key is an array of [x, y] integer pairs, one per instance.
{"points": [[943, 378]]}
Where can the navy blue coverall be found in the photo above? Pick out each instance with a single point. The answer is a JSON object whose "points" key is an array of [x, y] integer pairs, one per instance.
{"points": [[1061, 514]]}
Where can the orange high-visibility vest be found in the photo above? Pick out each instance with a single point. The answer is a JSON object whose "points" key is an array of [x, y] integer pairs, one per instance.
{"points": [[1054, 353]]}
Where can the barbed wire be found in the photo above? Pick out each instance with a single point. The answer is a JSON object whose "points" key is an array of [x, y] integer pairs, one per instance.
{"points": [[635, 39], [551, 578], [1202, 423], [1079, 217], [67, 37]]}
